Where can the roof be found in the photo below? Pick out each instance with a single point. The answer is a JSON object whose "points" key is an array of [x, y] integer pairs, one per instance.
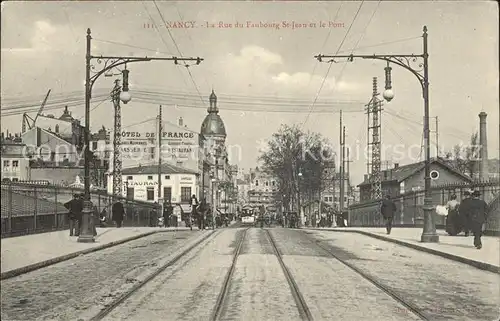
{"points": [[152, 169], [403, 172], [213, 126]]}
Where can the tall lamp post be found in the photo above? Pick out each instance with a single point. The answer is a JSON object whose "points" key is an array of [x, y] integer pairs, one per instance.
{"points": [[92, 73], [418, 65]]}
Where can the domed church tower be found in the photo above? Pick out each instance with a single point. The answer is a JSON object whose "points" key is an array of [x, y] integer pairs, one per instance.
{"points": [[213, 126]]}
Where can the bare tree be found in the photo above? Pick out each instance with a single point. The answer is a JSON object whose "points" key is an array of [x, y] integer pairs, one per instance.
{"points": [[290, 152], [464, 158]]}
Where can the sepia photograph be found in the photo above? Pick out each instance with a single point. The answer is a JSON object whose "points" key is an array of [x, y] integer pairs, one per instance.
{"points": [[250, 160]]}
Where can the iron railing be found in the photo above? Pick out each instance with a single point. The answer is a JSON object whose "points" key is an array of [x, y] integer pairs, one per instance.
{"points": [[33, 208], [410, 211]]}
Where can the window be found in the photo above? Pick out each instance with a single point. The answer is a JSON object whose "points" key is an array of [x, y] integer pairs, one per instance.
{"points": [[94, 145], [150, 193], [256, 183], [150, 177], [325, 198], [273, 183], [15, 179], [130, 177], [6, 163], [267, 183], [185, 194], [167, 176], [167, 193], [330, 199], [130, 193], [15, 163]]}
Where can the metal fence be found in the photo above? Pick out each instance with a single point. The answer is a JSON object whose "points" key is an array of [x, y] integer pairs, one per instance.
{"points": [[33, 208], [410, 206]]}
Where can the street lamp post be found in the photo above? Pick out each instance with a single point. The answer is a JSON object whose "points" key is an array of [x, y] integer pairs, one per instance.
{"points": [[108, 63], [421, 71]]}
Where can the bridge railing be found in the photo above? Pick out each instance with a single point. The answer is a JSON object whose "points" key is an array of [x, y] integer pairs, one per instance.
{"points": [[410, 206], [28, 208]]}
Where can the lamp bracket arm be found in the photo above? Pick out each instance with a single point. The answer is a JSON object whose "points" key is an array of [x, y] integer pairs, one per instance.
{"points": [[108, 63]]}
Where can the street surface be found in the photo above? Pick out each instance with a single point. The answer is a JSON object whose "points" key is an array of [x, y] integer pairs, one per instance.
{"points": [[198, 287]]}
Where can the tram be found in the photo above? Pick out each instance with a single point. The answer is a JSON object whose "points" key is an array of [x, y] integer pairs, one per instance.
{"points": [[247, 216]]}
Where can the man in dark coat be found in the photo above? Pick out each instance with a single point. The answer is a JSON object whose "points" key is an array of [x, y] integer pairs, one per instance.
{"points": [[478, 211], [387, 209], [464, 213], [167, 212], [118, 213], [75, 207], [201, 214]]}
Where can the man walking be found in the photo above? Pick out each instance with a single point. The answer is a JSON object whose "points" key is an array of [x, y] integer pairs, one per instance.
{"points": [[478, 215], [201, 214], [75, 207], [167, 212], [118, 213], [463, 212], [388, 208]]}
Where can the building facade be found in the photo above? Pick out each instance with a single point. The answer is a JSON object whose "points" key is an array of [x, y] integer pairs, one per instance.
{"points": [[263, 189], [403, 179], [219, 177], [14, 164], [142, 182]]}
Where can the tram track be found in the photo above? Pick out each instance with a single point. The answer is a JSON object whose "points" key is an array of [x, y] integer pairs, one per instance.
{"points": [[115, 303], [410, 306], [303, 309]]}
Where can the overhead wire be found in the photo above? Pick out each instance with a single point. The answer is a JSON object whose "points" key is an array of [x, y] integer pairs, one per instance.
{"points": [[178, 50], [331, 63]]}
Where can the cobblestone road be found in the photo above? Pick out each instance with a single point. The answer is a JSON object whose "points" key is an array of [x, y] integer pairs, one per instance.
{"points": [[60, 291], [188, 290], [445, 289], [331, 290]]}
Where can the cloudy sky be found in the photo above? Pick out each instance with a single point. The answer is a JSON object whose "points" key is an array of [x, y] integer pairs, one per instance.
{"points": [[263, 76]]}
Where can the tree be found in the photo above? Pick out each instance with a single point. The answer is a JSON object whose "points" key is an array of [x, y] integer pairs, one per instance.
{"points": [[464, 158], [290, 151]]}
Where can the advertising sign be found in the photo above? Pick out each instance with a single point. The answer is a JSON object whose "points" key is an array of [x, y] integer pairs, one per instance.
{"points": [[139, 145]]}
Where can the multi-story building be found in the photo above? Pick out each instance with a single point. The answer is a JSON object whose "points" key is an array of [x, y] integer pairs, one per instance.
{"points": [[14, 163], [331, 183], [263, 189]]}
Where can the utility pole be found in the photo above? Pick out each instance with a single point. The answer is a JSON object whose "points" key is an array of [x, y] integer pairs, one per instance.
{"points": [[341, 165], [375, 109], [437, 137], [160, 119], [348, 176], [117, 139], [342, 172]]}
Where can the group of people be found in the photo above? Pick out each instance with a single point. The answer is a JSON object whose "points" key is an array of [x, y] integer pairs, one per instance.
{"points": [[75, 215], [199, 211], [470, 215]]}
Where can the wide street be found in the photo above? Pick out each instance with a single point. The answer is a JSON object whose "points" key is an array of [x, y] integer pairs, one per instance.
{"points": [[236, 274]]}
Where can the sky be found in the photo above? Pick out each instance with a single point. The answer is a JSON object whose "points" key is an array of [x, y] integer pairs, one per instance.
{"points": [[263, 76]]}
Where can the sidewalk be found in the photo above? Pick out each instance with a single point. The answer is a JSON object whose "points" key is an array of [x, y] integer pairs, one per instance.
{"points": [[23, 254], [458, 248]]}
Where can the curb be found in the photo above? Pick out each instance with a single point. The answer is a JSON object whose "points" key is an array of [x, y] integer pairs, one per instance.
{"points": [[476, 264], [39, 265]]}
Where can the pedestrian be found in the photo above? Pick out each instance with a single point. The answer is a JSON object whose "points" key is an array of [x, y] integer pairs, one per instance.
{"points": [[477, 215], [167, 212], [75, 208], [194, 209], [464, 211], [118, 213], [452, 219], [388, 208]]}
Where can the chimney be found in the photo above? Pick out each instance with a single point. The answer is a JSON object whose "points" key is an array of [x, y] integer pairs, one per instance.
{"points": [[396, 165], [483, 142], [181, 122], [366, 177]]}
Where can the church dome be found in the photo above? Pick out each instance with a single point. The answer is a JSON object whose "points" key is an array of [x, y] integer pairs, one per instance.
{"points": [[212, 124]]}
